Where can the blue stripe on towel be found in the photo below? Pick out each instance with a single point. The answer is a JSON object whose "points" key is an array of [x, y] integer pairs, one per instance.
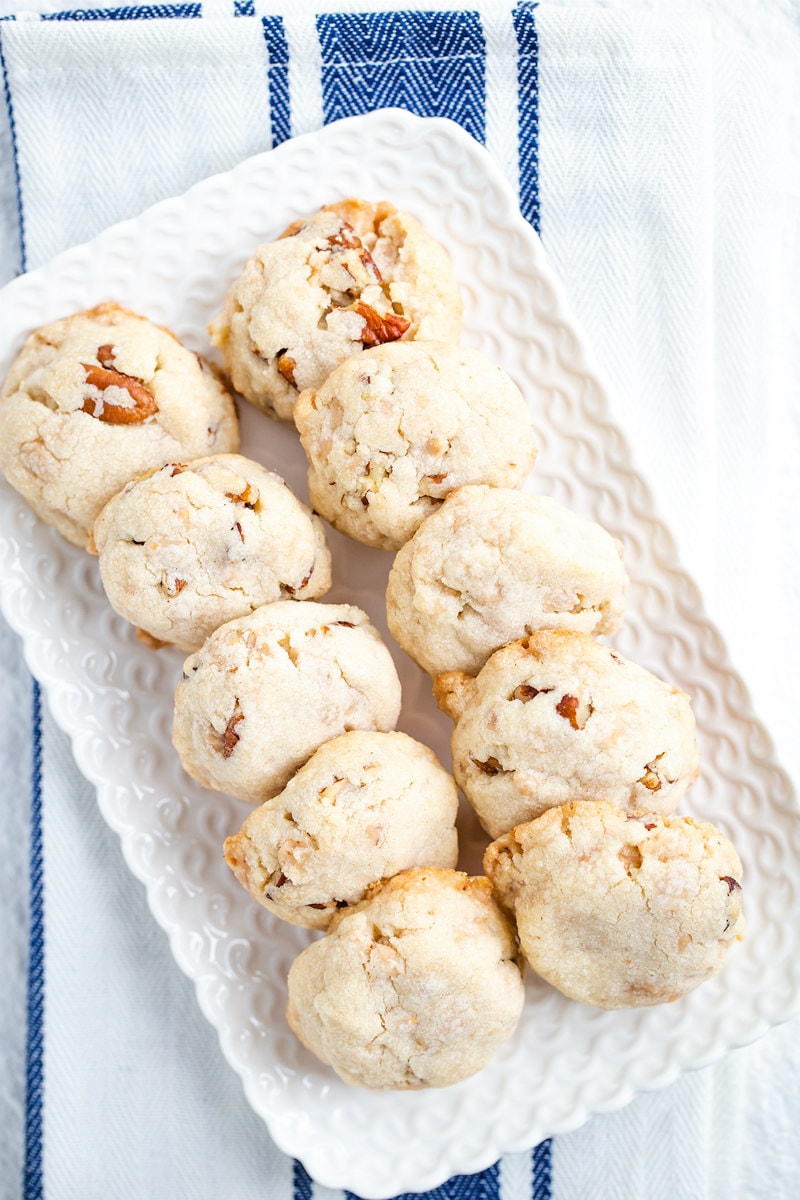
{"points": [[541, 1171], [34, 1080], [485, 1185], [244, 8], [136, 12], [14, 154], [433, 63], [528, 111], [278, 78], [301, 1180]]}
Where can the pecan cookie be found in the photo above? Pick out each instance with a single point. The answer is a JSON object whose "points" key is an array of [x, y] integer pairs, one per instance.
{"points": [[391, 433], [193, 545], [266, 690], [352, 275], [620, 911], [364, 807], [493, 564], [96, 399], [556, 716], [414, 987]]}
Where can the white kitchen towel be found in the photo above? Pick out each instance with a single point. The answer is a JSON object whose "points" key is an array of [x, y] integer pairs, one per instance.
{"points": [[656, 156]]}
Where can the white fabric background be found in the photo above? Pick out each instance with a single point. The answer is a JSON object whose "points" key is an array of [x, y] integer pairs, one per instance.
{"points": [[682, 270]]}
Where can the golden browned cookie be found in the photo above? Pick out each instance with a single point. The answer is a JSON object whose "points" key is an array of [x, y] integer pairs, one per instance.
{"points": [[96, 399], [415, 987], [364, 807], [619, 911], [266, 690], [193, 545], [391, 433], [493, 564], [557, 716], [353, 275]]}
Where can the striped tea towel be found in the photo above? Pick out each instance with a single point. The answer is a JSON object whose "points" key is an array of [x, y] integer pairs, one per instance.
{"points": [[655, 154]]}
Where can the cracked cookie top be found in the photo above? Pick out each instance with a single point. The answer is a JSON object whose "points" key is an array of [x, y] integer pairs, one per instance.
{"points": [[193, 545], [96, 399], [353, 275], [266, 690], [493, 564], [619, 911], [364, 807], [557, 716], [391, 433], [414, 987]]}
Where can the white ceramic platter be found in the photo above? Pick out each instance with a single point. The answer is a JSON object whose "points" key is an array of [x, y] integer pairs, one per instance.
{"points": [[114, 697]]}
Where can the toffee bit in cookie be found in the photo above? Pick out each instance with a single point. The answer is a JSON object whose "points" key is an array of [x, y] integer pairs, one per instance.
{"points": [[238, 529], [527, 691], [490, 767], [248, 496], [286, 366], [630, 856], [231, 737], [303, 583], [650, 780], [567, 708], [733, 884]]}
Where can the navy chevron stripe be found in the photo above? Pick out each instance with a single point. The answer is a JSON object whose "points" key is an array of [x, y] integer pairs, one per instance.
{"points": [[301, 1182], [528, 111], [542, 1171], [485, 1185], [432, 63], [34, 1077], [278, 78], [23, 266], [136, 12]]}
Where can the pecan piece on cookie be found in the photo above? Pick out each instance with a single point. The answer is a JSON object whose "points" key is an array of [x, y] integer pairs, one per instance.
{"points": [[142, 402], [380, 328]]}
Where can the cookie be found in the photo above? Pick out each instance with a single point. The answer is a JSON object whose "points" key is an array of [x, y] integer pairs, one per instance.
{"points": [[493, 564], [620, 911], [96, 399], [556, 716], [414, 987], [354, 274], [193, 545], [364, 807], [266, 690], [391, 433]]}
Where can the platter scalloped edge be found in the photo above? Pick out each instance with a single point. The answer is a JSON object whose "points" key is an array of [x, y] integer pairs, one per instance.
{"points": [[113, 697]]}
